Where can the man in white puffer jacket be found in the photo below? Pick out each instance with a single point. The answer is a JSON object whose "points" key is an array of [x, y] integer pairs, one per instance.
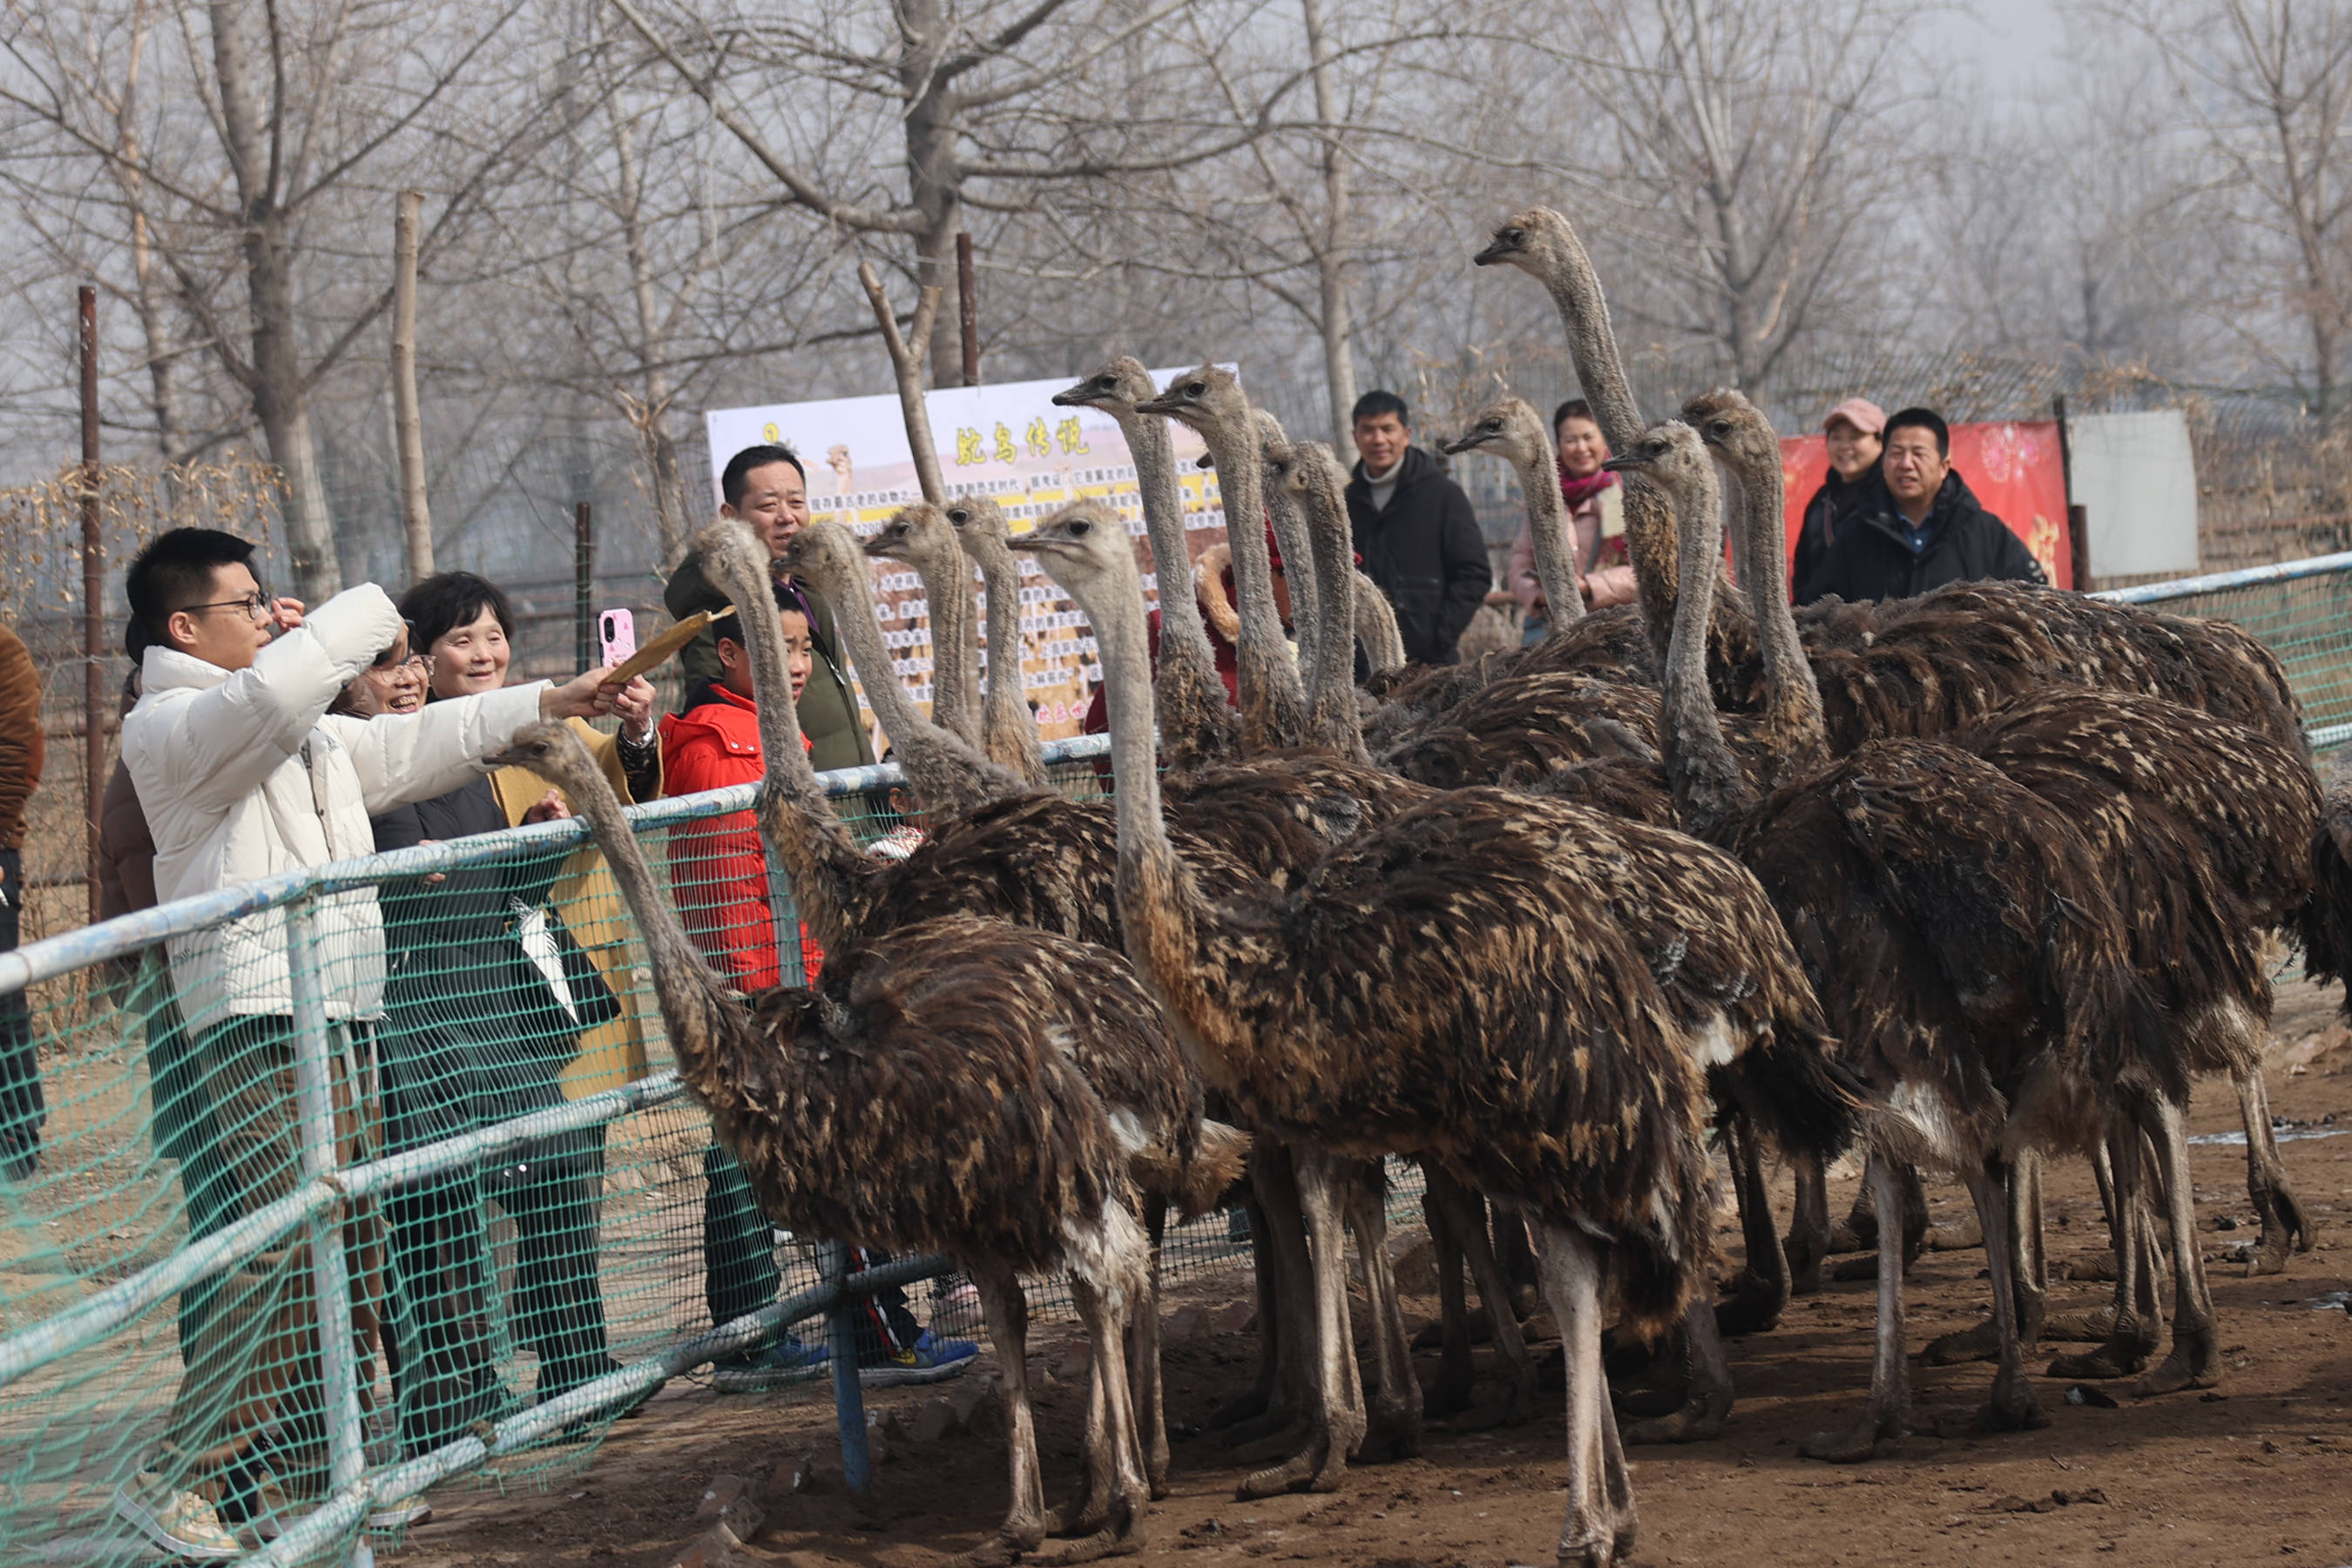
{"points": [[243, 774]]}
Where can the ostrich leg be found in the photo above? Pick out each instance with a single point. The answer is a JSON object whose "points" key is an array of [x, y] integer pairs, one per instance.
{"points": [[1456, 1376], [1890, 1393], [1143, 1361], [2195, 1361], [1709, 1400], [1273, 1179], [1809, 1226], [2029, 1274], [1006, 1310], [1913, 1228], [2133, 1325], [1599, 1527], [1115, 1488], [1393, 1429], [1335, 1421], [2013, 1407], [1762, 1290], [2284, 1225], [1256, 1400], [1465, 1211]]}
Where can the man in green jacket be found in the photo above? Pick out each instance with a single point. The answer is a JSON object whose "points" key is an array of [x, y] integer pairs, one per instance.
{"points": [[767, 487]]}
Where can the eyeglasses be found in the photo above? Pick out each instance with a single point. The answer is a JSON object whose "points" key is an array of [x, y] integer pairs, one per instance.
{"points": [[392, 667], [255, 605]]}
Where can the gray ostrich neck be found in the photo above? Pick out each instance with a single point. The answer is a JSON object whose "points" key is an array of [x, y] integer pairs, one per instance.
{"points": [[955, 638], [1273, 703], [794, 816], [1792, 697], [1009, 734], [1548, 532], [1333, 721], [1298, 569], [1707, 784], [945, 772], [1183, 636]]}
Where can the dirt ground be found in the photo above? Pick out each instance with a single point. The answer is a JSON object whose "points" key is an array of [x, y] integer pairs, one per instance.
{"points": [[2258, 1469]]}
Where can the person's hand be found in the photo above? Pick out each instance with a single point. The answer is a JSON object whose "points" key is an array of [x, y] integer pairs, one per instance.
{"points": [[285, 615], [1584, 590], [635, 704], [549, 807], [431, 878], [1541, 609], [584, 696]]}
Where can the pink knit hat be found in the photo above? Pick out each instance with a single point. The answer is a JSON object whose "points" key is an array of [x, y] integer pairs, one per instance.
{"points": [[1859, 412]]}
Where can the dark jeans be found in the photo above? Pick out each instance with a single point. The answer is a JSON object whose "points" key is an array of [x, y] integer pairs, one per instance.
{"points": [[184, 1129], [739, 1262], [22, 1108]]}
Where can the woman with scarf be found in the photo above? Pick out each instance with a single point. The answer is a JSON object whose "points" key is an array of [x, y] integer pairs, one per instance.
{"points": [[1595, 521]]}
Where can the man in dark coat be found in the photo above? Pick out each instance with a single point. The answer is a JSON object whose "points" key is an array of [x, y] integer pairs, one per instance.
{"points": [[1916, 526], [1415, 532]]}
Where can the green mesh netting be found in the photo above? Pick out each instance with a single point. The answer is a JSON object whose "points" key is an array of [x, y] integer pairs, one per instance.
{"points": [[2307, 621]]}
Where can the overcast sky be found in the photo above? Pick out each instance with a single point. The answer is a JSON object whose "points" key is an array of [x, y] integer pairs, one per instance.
{"points": [[2012, 43]]}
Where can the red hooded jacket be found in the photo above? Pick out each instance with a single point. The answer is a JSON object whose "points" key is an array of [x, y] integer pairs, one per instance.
{"points": [[719, 868]]}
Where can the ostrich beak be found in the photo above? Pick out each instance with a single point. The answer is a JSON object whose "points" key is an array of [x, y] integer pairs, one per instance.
{"points": [[1168, 406], [1462, 444], [1073, 397], [1495, 251], [1624, 465]]}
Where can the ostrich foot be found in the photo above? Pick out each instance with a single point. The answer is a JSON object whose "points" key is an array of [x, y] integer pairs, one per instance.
{"points": [[1086, 1514], [1393, 1433], [1006, 1547], [1122, 1538], [1276, 1445], [1274, 1421], [1981, 1342], [2119, 1357], [1317, 1467], [2193, 1364], [1754, 1308], [1804, 1264], [1851, 1444], [1848, 1269], [1515, 1406], [1699, 1421], [1845, 1237], [1246, 1405], [2085, 1327], [2014, 1407]]}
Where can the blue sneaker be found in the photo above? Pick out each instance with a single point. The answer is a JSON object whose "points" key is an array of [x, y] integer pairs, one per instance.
{"points": [[785, 1362], [932, 1360]]}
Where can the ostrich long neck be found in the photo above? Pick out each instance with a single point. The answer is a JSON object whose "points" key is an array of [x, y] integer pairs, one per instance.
{"points": [[1796, 737], [700, 1017], [1160, 909], [830, 874], [1548, 532], [1298, 569], [955, 636], [1008, 732], [1332, 721], [1273, 703], [1709, 789], [1188, 665], [947, 773]]}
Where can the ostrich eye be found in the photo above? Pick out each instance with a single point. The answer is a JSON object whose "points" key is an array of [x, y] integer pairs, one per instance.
{"points": [[1515, 236], [1079, 528], [1196, 388]]}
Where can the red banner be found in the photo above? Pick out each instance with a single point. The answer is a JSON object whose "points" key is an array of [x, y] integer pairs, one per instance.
{"points": [[2014, 470]]}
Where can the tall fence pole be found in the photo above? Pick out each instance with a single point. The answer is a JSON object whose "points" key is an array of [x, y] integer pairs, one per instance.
{"points": [[583, 586], [848, 1397], [967, 298], [314, 1100], [407, 418], [93, 597]]}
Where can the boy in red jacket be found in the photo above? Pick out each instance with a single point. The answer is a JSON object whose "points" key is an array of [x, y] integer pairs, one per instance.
{"points": [[718, 876]]}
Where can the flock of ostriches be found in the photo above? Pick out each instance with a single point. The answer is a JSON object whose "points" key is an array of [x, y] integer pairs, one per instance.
{"points": [[1957, 881]]}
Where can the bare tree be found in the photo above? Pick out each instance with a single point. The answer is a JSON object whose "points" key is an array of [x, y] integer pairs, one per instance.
{"points": [[237, 161]]}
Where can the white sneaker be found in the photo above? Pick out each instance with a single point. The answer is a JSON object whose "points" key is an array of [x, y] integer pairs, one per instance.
{"points": [[180, 1522]]}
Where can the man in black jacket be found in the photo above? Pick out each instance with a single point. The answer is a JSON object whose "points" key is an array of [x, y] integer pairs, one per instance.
{"points": [[1416, 534], [1916, 526]]}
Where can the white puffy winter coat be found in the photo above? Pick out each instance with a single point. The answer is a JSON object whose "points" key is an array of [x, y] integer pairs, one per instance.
{"points": [[244, 773]]}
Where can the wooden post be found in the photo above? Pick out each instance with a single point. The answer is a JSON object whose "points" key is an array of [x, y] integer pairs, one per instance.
{"points": [[2078, 524], [906, 363], [93, 596], [583, 588], [407, 422], [967, 296]]}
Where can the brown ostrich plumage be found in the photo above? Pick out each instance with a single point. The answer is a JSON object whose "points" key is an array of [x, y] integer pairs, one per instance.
{"points": [[932, 1091]]}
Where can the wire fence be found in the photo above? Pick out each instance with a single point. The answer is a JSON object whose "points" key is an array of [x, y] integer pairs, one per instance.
{"points": [[362, 1178]]}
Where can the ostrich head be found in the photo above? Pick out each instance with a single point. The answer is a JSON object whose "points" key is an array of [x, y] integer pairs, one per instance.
{"points": [[1310, 468], [1734, 429], [1511, 429], [733, 552], [1086, 550], [910, 533], [1534, 241], [1201, 399], [1117, 388], [977, 517], [1670, 453], [824, 552]]}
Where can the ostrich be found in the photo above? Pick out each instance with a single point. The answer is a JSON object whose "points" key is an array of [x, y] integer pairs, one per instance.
{"points": [[1968, 891], [1008, 730], [2271, 782], [846, 895], [1512, 431], [938, 1090], [920, 536], [1196, 725], [1498, 1014]]}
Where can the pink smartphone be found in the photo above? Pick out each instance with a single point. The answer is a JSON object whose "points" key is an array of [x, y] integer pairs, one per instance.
{"points": [[618, 628]]}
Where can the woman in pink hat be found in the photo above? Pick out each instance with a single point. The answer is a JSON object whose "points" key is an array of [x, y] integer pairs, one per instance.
{"points": [[1856, 431]]}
